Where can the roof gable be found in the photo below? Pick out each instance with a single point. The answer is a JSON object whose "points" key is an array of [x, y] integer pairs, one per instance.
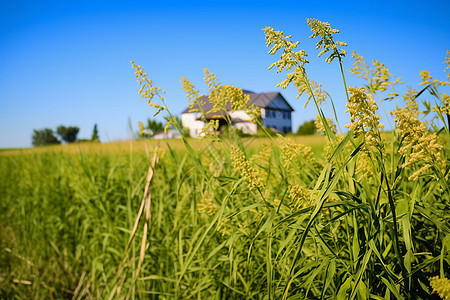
{"points": [[271, 100]]}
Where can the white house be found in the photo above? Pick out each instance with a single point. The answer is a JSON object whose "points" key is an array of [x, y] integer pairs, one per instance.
{"points": [[171, 134], [275, 113]]}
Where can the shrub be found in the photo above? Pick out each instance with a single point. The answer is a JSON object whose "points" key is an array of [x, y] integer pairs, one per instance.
{"points": [[307, 128]]}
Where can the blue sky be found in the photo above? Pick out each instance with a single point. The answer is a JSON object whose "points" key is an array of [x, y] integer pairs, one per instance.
{"points": [[68, 62]]}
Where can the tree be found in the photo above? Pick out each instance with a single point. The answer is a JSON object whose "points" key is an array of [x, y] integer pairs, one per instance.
{"points": [[307, 128], [68, 134], [95, 137], [154, 126], [44, 137]]}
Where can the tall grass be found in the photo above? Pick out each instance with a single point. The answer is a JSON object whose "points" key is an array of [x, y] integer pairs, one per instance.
{"points": [[366, 218]]}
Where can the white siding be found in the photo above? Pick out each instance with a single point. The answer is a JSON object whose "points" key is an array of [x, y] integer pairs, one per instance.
{"points": [[247, 127], [189, 120], [171, 134], [277, 115], [239, 114]]}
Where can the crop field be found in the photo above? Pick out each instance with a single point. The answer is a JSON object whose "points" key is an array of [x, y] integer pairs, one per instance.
{"points": [[360, 215]]}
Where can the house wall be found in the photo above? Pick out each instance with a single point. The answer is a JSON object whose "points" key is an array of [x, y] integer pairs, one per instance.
{"points": [[277, 115], [239, 114], [279, 120], [190, 121], [171, 134], [247, 127]]}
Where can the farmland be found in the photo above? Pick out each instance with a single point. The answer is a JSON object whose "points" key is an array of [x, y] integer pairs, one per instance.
{"points": [[68, 211]]}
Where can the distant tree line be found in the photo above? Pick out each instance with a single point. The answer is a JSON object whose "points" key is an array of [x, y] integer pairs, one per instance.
{"points": [[307, 128], [68, 135]]}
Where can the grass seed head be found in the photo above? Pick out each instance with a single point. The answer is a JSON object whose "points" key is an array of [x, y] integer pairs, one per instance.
{"points": [[321, 128], [447, 61], [300, 196], [191, 93], [421, 146], [327, 42], [250, 174], [293, 154], [207, 205], [441, 286], [410, 100], [147, 90], [224, 227], [378, 78], [364, 120]]}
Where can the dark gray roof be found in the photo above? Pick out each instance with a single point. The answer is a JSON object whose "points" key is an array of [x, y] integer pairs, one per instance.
{"points": [[263, 100]]}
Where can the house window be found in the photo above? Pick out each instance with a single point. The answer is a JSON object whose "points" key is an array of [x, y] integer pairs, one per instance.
{"points": [[267, 113], [289, 115], [274, 114]]}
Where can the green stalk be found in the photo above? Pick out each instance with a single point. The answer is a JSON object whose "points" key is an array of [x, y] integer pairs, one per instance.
{"points": [[395, 229], [343, 76]]}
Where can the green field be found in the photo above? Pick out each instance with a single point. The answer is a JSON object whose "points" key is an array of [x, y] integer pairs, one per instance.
{"points": [[67, 213], [214, 230]]}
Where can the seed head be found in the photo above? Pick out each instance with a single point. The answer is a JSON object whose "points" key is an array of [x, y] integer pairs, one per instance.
{"points": [[425, 75], [362, 108], [289, 59], [426, 79], [141, 128], [148, 90], [222, 95], [446, 103], [191, 93], [447, 61], [327, 43], [224, 227], [378, 79], [300, 196], [209, 129], [207, 205], [242, 165], [321, 128], [410, 100], [441, 286], [295, 155], [422, 147]]}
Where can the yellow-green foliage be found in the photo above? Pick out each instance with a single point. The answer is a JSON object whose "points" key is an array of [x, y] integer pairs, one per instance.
{"points": [[441, 286]]}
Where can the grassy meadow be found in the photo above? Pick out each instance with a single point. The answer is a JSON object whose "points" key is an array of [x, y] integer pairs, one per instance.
{"points": [[360, 215], [67, 213]]}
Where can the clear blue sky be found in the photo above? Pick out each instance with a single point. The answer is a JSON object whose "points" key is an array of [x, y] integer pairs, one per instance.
{"points": [[68, 62]]}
